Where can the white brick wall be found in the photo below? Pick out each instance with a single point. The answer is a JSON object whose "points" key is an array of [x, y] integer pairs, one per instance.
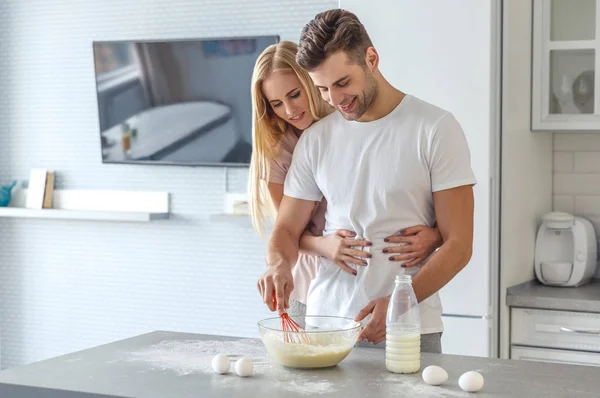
{"points": [[577, 176], [68, 285]]}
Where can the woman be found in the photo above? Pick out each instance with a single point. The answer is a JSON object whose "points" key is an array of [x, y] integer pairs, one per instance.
{"points": [[285, 102]]}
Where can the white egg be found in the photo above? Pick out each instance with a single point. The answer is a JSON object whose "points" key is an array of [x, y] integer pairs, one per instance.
{"points": [[244, 367], [434, 375], [221, 364], [471, 381]]}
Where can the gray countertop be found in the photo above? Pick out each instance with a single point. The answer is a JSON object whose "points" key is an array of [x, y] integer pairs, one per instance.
{"points": [[533, 294], [167, 364]]}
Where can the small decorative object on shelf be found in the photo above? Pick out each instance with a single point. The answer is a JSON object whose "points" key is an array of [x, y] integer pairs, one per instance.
{"points": [[6, 194], [41, 188], [49, 192], [241, 207], [237, 204], [36, 188]]}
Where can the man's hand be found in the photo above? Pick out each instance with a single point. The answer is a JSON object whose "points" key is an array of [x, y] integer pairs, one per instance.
{"points": [[276, 280], [374, 332], [282, 251]]}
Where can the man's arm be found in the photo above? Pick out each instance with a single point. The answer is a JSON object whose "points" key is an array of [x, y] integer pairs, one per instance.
{"points": [[282, 251], [454, 213], [292, 218], [309, 243], [452, 181], [301, 191]]}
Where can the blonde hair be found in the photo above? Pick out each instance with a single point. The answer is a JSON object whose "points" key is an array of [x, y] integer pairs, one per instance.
{"points": [[268, 128]]}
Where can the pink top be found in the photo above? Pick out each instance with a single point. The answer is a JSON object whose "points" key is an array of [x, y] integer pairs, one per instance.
{"points": [[279, 169], [306, 267]]}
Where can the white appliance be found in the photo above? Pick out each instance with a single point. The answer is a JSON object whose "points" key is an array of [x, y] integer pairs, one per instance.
{"points": [[458, 70], [565, 250]]}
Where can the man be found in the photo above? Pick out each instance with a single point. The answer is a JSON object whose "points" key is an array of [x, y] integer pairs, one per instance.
{"points": [[386, 159]]}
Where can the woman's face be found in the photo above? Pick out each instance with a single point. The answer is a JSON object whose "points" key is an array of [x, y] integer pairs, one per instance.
{"points": [[288, 99]]}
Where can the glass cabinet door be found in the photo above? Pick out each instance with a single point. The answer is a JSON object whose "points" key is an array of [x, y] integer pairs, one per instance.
{"points": [[566, 38], [572, 20]]}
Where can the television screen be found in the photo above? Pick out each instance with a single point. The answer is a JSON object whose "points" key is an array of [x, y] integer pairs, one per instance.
{"points": [[183, 102]]}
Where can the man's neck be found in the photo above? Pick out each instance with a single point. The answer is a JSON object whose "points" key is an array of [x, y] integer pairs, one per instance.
{"points": [[386, 101]]}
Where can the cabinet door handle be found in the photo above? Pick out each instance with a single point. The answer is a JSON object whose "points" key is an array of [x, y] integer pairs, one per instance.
{"points": [[582, 331]]}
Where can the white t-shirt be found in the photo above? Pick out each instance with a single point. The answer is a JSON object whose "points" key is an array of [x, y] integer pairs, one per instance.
{"points": [[378, 178]]}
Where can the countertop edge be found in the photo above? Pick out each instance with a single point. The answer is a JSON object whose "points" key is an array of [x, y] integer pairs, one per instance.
{"points": [[532, 294]]}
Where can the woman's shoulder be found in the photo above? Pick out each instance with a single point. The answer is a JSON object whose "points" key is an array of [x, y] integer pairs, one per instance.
{"points": [[288, 141]]}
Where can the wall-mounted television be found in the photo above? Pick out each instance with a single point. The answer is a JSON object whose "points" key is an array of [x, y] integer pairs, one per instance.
{"points": [[179, 102]]}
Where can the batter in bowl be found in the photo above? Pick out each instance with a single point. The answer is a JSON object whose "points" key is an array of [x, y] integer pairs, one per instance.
{"points": [[322, 351]]}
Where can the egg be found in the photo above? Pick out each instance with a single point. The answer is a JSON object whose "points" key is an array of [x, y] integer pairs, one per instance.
{"points": [[471, 381], [434, 375], [221, 364], [244, 367]]}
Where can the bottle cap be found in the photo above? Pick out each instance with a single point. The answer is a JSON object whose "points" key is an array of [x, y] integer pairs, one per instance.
{"points": [[403, 277]]}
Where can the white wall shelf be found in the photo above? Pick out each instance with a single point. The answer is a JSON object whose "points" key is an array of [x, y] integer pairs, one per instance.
{"points": [[94, 205], [16, 212]]}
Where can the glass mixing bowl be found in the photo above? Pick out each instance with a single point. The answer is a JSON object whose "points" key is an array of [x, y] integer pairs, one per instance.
{"points": [[325, 342]]}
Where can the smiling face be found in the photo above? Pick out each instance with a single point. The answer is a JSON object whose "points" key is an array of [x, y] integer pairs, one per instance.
{"points": [[288, 99], [351, 88]]}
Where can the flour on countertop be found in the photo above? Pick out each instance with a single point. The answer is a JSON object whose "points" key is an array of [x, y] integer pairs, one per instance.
{"points": [[194, 356], [188, 357], [310, 388], [409, 385]]}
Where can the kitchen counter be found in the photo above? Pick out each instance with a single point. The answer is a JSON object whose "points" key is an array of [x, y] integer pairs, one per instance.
{"points": [[167, 364], [534, 294]]}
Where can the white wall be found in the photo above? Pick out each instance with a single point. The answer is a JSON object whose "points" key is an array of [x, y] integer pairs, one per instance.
{"points": [[577, 176], [526, 160], [68, 285], [4, 122]]}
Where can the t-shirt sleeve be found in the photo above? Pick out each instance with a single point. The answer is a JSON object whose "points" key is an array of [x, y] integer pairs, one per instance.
{"points": [[300, 182], [450, 158], [278, 169]]}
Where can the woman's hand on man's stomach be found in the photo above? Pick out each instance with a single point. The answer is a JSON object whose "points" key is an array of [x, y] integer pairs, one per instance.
{"points": [[342, 248], [414, 244]]}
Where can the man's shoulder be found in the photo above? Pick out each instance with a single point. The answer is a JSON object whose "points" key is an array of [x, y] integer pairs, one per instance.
{"points": [[428, 113], [319, 129]]}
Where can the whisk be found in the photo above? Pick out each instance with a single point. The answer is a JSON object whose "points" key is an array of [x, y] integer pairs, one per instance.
{"points": [[292, 331]]}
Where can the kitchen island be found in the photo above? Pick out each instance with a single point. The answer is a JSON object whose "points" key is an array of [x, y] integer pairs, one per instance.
{"points": [[168, 364]]}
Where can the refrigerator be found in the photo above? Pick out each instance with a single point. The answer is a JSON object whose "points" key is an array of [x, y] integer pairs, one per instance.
{"points": [[448, 53]]}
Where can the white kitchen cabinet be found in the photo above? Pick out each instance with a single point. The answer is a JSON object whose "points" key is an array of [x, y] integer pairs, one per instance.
{"points": [[555, 336], [555, 356], [566, 46]]}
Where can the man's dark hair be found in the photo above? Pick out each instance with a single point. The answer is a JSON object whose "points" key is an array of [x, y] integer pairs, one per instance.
{"points": [[329, 32]]}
